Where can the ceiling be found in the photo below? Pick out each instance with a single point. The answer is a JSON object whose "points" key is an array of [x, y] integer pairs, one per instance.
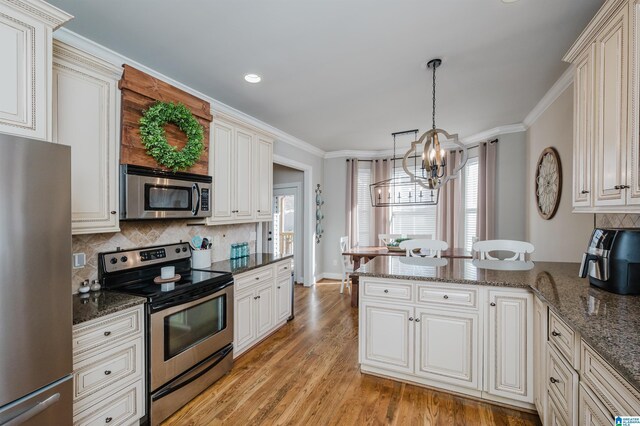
{"points": [[344, 74]]}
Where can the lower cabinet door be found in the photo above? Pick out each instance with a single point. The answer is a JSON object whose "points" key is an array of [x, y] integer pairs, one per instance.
{"points": [[539, 355], [510, 345], [591, 410], [554, 415], [283, 298], [386, 336], [265, 309], [124, 407], [447, 346], [244, 321]]}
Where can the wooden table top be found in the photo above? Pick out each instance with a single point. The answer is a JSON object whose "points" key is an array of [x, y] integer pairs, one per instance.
{"points": [[373, 251]]}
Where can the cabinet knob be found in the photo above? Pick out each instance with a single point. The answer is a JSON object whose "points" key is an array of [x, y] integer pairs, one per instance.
{"points": [[257, 278], [108, 419], [555, 333], [278, 287], [417, 320], [554, 380], [107, 333], [258, 211], [107, 372], [286, 267], [584, 191], [386, 291], [492, 304], [445, 296], [617, 187], [113, 212], [410, 318]]}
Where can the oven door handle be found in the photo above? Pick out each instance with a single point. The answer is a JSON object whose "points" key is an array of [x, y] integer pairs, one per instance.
{"points": [[193, 375], [195, 191]]}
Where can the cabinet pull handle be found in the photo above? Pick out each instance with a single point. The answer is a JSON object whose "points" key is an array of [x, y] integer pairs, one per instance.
{"points": [[554, 380], [278, 287], [258, 211], [410, 318], [617, 187], [113, 212], [492, 304], [257, 278], [625, 186], [107, 333], [108, 419], [107, 372], [555, 333], [584, 191], [386, 291], [417, 320], [445, 296], [286, 267]]}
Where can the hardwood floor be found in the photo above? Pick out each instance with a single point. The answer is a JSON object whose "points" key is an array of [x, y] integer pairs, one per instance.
{"points": [[307, 373]]}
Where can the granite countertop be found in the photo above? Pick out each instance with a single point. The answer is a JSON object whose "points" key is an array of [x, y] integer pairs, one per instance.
{"points": [[98, 304], [610, 323], [245, 264]]}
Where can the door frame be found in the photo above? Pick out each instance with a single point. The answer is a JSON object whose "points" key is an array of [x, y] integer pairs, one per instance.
{"points": [[295, 189], [309, 221]]}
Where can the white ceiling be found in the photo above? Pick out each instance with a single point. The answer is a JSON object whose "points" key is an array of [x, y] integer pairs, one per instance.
{"points": [[344, 74]]}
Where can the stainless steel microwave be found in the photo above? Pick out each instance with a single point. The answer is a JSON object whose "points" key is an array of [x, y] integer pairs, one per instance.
{"points": [[147, 193]]}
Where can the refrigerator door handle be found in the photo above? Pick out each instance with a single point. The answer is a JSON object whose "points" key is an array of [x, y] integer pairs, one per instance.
{"points": [[34, 410]]}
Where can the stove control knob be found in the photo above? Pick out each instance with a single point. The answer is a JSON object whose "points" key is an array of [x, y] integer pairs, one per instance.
{"points": [[123, 258], [184, 249], [178, 250], [113, 261]]}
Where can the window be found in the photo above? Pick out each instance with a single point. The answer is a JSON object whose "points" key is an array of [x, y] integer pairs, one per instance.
{"points": [[364, 205], [470, 202], [412, 219]]}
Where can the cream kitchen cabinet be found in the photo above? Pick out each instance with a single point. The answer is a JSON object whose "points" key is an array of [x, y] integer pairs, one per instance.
{"points": [[241, 165], [26, 28], [109, 369], [86, 105], [539, 355], [258, 305]]}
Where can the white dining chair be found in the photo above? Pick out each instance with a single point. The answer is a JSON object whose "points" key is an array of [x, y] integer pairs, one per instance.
{"points": [[483, 249], [420, 236], [424, 247], [347, 266]]}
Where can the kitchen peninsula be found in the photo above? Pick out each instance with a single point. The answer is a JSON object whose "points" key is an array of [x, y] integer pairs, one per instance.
{"points": [[518, 337]]}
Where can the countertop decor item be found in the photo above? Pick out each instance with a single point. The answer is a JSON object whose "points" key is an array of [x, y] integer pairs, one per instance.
{"points": [[433, 171], [154, 139], [319, 214], [548, 183]]}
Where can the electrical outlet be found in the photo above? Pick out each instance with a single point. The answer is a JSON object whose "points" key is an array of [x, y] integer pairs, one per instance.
{"points": [[79, 260]]}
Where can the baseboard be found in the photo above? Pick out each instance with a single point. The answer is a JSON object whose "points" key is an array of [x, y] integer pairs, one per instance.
{"points": [[331, 276]]}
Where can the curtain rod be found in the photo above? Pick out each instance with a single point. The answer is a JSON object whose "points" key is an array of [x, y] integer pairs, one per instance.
{"points": [[416, 156]]}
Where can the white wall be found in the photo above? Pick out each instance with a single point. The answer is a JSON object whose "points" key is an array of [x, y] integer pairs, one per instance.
{"points": [[335, 200], [511, 186], [284, 175], [564, 237]]}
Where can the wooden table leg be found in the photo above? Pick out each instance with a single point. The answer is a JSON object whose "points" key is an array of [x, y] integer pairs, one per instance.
{"points": [[354, 283]]}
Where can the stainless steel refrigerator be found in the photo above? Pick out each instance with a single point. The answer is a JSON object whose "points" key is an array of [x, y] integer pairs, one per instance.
{"points": [[36, 386]]}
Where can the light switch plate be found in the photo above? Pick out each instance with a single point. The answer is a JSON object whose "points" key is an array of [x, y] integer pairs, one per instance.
{"points": [[79, 260]]}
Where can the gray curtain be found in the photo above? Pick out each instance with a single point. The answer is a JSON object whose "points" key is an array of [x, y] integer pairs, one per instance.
{"points": [[380, 224], [449, 204], [352, 201], [487, 156]]}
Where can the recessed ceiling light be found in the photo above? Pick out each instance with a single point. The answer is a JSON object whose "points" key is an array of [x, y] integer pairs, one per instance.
{"points": [[252, 78], [509, 1]]}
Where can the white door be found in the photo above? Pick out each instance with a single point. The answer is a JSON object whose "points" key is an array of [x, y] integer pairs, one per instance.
{"points": [[611, 107], [221, 169], [244, 320], [283, 298], [387, 336], [243, 172], [447, 346], [85, 111], [583, 125], [539, 355], [510, 341], [285, 229], [265, 314], [264, 178]]}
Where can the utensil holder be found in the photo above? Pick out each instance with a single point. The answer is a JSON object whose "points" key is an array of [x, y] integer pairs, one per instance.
{"points": [[201, 258]]}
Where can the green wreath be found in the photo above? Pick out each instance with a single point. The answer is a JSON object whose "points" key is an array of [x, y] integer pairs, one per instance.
{"points": [[154, 137]]}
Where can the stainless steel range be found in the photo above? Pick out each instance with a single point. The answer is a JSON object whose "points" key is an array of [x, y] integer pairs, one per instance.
{"points": [[189, 322]]}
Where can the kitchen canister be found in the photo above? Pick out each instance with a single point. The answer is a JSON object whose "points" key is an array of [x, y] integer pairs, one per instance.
{"points": [[201, 258]]}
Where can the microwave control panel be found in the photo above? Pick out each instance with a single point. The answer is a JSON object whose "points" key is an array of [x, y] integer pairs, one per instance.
{"points": [[205, 200]]}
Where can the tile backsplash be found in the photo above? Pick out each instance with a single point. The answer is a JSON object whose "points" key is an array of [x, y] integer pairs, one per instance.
{"points": [[147, 233], [617, 220]]}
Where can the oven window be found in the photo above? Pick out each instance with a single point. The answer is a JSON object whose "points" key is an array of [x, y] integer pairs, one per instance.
{"points": [[186, 328], [167, 197]]}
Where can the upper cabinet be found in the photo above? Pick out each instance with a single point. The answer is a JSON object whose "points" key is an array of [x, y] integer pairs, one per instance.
{"points": [[242, 168], [86, 103], [26, 28], [606, 90]]}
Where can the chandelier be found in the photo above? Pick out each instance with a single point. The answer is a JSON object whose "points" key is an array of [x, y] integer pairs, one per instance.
{"points": [[433, 168]]}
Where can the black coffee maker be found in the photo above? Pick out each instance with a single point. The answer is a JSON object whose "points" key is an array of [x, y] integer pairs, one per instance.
{"points": [[612, 260]]}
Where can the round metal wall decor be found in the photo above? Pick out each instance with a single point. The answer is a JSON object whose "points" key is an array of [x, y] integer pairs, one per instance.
{"points": [[548, 183]]}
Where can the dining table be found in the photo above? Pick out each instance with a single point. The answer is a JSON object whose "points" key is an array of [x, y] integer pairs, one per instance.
{"points": [[363, 254]]}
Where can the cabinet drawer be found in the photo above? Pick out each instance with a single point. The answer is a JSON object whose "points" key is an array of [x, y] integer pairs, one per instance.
{"points": [[283, 268], [562, 384], [616, 394], [254, 277], [592, 413], [445, 295], [123, 407], [107, 370], [107, 330], [563, 338], [392, 291]]}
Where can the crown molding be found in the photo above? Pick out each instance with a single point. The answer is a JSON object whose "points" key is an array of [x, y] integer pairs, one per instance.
{"points": [[42, 11], [217, 108], [62, 51], [495, 132], [550, 97]]}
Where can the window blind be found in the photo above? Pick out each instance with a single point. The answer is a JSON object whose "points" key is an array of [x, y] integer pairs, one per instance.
{"points": [[470, 202], [364, 204], [412, 219]]}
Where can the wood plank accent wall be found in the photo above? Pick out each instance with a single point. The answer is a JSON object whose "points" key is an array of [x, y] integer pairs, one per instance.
{"points": [[139, 92]]}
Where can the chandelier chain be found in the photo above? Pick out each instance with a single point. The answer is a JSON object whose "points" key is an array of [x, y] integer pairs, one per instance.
{"points": [[433, 94]]}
